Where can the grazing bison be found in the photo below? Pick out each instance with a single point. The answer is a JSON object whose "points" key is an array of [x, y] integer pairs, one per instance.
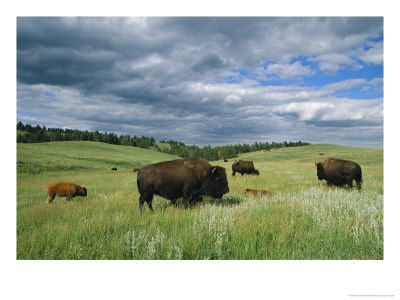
{"points": [[225, 160], [114, 169], [339, 172], [250, 192], [136, 170], [189, 178], [244, 167], [64, 189]]}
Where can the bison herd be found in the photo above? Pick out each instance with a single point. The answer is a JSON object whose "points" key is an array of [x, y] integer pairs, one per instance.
{"points": [[193, 178]]}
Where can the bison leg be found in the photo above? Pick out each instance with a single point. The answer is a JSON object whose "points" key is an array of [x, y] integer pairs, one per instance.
{"points": [[148, 197], [185, 201], [233, 173], [242, 174], [173, 202], [329, 184], [358, 182], [149, 204], [50, 198], [350, 184]]}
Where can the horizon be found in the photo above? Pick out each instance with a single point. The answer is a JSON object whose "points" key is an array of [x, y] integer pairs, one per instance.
{"points": [[201, 146]]}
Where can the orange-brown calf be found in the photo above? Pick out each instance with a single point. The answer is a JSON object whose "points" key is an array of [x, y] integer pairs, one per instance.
{"points": [[64, 189], [250, 192]]}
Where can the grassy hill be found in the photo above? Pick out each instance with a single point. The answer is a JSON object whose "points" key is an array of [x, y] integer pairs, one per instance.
{"points": [[80, 155], [315, 153], [303, 219]]}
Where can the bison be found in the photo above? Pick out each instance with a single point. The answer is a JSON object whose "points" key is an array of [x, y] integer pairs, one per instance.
{"points": [[64, 189], [244, 167], [189, 178], [250, 192], [339, 172], [114, 169]]}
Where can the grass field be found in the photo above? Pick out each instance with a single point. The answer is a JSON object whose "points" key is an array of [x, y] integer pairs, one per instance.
{"points": [[303, 219]]}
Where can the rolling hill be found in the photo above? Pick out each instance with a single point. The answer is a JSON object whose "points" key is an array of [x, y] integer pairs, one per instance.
{"points": [[83, 155]]}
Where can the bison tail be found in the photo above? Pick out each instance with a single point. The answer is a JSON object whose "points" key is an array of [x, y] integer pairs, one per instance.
{"points": [[138, 182], [358, 176]]}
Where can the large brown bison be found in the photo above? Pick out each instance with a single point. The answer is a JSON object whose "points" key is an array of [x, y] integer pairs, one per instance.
{"points": [[64, 189], [339, 172], [244, 167], [189, 178]]}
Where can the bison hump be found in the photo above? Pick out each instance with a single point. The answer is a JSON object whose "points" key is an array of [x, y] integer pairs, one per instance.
{"points": [[188, 163]]}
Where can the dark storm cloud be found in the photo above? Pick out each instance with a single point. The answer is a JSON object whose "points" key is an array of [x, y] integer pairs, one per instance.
{"points": [[167, 77], [209, 62]]}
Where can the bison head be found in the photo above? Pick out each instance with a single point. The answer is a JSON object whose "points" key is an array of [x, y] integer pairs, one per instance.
{"points": [[215, 183], [256, 172], [82, 191], [320, 171]]}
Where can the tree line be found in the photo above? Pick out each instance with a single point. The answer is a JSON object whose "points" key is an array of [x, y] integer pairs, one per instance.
{"points": [[224, 152], [26, 133], [29, 134]]}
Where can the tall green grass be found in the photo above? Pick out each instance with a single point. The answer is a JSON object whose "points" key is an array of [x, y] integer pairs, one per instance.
{"points": [[303, 219]]}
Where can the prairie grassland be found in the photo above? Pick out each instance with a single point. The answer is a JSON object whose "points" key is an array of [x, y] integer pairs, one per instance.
{"points": [[303, 219]]}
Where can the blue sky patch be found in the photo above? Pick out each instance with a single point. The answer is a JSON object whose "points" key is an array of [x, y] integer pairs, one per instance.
{"points": [[32, 115]]}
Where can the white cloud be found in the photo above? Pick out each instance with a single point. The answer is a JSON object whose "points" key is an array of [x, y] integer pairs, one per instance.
{"points": [[286, 71], [232, 99], [345, 84], [341, 111], [331, 63], [305, 111], [373, 55]]}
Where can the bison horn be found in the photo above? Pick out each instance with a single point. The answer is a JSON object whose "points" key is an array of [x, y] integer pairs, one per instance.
{"points": [[213, 170]]}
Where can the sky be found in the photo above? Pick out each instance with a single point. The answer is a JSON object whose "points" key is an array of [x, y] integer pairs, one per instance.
{"points": [[205, 80]]}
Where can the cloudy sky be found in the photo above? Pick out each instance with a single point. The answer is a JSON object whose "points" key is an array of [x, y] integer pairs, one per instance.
{"points": [[207, 80]]}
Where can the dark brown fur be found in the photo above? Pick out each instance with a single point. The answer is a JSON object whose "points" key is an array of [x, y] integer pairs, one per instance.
{"points": [[250, 192], [64, 189], [189, 178], [244, 167], [114, 169], [339, 172]]}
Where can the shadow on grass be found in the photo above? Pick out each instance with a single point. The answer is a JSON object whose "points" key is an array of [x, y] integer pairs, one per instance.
{"points": [[227, 200]]}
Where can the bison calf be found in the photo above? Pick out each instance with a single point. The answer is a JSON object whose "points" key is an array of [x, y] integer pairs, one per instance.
{"points": [[339, 172], [250, 192], [64, 189], [189, 178]]}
